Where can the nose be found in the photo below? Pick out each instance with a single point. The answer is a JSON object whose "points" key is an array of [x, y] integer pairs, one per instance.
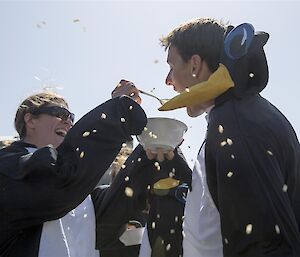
{"points": [[168, 80]]}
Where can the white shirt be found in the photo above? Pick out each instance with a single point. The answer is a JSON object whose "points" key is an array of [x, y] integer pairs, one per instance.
{"points": [[73, 235], [201, 226], [145, 249]]}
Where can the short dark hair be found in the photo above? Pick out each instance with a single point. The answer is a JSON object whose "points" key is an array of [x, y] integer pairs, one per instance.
{"points": [[203, 36], [31, 104]]}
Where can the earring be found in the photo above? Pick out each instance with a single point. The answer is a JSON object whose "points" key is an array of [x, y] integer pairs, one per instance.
{"points": [[194, 75]]}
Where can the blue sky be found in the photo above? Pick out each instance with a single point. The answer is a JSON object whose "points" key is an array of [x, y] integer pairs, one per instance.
{"points": [[83, 48]]}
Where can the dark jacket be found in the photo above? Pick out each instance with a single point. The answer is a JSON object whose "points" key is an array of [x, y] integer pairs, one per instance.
{"points": [[115, 208], [47, 184], [253, 163]]}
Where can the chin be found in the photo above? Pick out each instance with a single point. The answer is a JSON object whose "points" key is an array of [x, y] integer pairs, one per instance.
{"points": [[193, 112], [57, 143]]}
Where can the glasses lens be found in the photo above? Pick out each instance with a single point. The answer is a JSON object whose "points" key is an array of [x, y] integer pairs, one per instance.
{"points": [[63, 113], [72, 116], [56, 111]]}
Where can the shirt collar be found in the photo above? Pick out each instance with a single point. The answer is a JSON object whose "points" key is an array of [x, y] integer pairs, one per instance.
{"points": [[207, 110]]}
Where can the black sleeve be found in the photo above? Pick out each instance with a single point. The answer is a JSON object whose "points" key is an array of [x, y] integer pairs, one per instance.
{"points": [[47, 184], [127, 195], [166, 213]]}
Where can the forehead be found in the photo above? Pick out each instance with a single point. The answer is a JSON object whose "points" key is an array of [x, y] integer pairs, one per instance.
{"points": [[173, 54]]}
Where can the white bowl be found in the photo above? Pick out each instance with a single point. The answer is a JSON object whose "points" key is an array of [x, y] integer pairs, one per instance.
{"points": [[165, 133]]}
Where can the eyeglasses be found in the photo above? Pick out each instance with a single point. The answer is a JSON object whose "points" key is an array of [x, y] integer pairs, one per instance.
{"points": [[56, 111]]}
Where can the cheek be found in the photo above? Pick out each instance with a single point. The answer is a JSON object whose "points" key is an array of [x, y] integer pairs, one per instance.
{"points": [[182, 81], [182, 74], [48, 127]]}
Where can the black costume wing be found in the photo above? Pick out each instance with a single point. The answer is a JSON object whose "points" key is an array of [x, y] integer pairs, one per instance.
{"points": [[46, 185], [126, 198], [252, 164]]}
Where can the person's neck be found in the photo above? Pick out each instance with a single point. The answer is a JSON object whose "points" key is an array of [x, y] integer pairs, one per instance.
{"points": [[208, 109], [31, 141]]}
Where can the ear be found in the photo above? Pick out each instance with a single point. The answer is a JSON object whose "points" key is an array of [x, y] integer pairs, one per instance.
{"points": [[196, 64], [29, 120]]}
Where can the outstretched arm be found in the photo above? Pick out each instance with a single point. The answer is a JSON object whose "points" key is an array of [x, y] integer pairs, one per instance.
{"points": [[53, 183]]}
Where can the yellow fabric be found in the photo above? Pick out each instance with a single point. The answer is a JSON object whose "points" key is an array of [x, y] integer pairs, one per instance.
{"points": [[219, 82], [166, 183]]}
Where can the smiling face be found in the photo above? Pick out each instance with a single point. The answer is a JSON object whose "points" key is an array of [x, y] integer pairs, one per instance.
{"points": [[44, 129], [43, 119]]}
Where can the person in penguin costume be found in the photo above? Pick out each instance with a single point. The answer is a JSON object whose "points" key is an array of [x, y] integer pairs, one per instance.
{"points": [[245, 196]]}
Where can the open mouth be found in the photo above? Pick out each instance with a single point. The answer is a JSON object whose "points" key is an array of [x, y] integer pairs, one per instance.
{"points": [[61, 132]]}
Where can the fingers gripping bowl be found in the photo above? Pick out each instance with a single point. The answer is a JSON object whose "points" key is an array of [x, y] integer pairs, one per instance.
{"points": [[165, 133]]}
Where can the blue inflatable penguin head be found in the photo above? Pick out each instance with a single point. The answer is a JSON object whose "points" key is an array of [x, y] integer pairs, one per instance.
{"points": [[245, 59]]}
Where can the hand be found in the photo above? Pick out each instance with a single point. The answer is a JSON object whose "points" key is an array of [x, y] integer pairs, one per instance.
{"points": [[126, 87], [160, 154]]}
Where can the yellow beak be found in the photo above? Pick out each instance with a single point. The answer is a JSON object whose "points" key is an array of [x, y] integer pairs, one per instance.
{"points": [[219, 82]]}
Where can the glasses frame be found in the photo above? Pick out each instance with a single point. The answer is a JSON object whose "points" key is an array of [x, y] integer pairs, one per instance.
{"points": [[55, 111]]}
